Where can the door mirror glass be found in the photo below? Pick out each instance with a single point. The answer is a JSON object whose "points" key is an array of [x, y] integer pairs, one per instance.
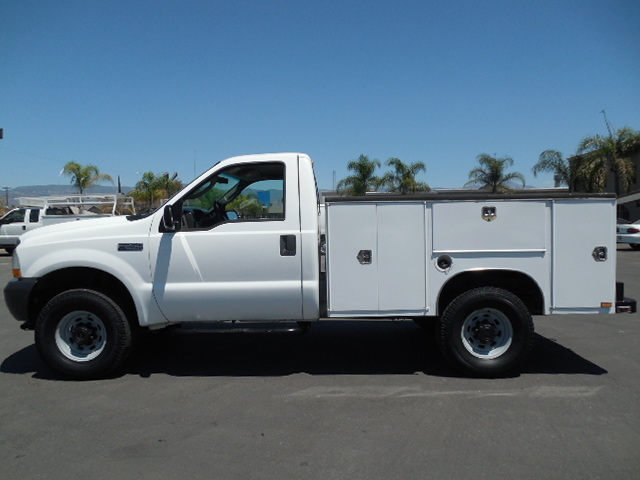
{"points": [[169, 223]]}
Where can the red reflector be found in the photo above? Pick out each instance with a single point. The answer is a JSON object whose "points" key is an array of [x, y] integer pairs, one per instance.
{"points": [[633, 230]]}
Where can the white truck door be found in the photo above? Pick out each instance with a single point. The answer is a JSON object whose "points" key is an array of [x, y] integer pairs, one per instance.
{"points": [[32, 220], [14, 224], [237, 256]]}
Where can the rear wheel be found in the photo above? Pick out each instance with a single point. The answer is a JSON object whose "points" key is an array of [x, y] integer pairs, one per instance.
{"points": [[635, 246], [486, 332], [83, 334]]}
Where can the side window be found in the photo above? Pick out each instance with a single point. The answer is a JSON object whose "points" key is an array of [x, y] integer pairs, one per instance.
{"points": [[15, 216], [262, 200], [34, 215], [244, 192]]}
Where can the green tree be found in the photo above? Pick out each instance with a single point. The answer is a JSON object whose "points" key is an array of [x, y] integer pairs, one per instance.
{"points": [[363, 179], [246, 206], [84, 176], [599, 156], [152, 187], [169, 184], [491, 174], [403, 177], [552, 161], [146, 189]]}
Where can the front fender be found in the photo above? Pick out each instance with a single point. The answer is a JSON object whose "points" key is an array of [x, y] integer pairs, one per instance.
{"points": [[131, 268]]}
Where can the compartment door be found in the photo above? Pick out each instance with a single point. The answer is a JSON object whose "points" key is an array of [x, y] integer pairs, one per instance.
{"points": [[352, 278], [402, 250], [579, 280], [376, 259]]}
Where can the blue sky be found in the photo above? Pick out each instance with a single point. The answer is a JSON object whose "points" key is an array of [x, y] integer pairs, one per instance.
{"points": [[135, 86]]}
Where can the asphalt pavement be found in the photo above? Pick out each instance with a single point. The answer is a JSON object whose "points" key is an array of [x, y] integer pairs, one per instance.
{"points": [[347, 400]]}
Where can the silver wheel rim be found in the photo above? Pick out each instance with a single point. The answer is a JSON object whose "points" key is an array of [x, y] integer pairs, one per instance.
{"points": [[81, 336], [487, 333]]}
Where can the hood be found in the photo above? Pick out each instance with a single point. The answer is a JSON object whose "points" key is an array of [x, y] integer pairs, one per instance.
{"points": [[85, 229]]}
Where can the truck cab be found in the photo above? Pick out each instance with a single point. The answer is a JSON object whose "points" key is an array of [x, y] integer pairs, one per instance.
{"points": [[240, 244], [15, 223]]}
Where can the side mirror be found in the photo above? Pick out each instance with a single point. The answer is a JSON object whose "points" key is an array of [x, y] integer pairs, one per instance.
{"points": [[169, 223]]}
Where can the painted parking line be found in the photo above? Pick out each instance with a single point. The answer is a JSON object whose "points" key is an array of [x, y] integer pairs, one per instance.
{"points": [[403, 392]]}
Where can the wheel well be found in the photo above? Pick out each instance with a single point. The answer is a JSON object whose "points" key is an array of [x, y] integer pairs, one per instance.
{"points": [[515, 282], [59, 281]]}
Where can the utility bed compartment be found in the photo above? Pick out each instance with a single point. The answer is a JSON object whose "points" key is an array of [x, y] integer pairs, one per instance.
{"points": [[383, 255], [376, 259]]}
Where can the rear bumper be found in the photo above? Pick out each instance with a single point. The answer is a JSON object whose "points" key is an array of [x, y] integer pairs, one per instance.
{"points": [[624, 238], [624, 304]]}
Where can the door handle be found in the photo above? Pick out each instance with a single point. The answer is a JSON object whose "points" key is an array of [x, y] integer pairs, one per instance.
{"points": [[287, 245]]}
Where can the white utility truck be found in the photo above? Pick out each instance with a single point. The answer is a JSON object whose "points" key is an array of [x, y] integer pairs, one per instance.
{"points": [[243, 243], [36, 212]]}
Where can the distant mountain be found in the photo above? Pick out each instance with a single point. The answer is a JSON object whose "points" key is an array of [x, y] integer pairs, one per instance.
{"points": [[47, 190]]}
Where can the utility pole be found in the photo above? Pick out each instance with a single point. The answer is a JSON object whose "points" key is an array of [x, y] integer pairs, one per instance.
{"points": [[6, 189], [606, 121]]}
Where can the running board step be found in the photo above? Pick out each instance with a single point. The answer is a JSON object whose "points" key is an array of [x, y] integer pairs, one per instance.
{"points": [[245, 327]]}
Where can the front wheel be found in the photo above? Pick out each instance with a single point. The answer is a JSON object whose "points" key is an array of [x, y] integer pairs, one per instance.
{"points": [[83, 334], [486, 332]]}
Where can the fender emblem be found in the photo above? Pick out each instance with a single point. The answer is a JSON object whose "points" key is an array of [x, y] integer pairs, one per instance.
{"points": [[129, 247]]}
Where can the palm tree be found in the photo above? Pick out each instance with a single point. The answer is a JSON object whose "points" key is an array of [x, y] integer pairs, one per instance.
{"points": [[403, 177], [170, 184], [363, 180], [491, 175], [599, 156], [551, 161], [84, 176], [146, 188]]}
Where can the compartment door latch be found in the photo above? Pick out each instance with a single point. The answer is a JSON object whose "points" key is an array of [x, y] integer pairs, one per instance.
{"points": [[599, 254], [365, 257]]}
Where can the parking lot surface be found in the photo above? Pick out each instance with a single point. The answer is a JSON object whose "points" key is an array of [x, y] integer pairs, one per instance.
{"points": [[348, 400]]}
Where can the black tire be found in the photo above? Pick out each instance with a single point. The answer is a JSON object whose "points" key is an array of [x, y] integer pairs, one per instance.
{"points": [[9, 250], [486, 332], [83, 334], [635, 246]]}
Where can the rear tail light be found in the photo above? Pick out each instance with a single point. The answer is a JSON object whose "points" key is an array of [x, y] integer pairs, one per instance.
{"points": [[633, 230]]}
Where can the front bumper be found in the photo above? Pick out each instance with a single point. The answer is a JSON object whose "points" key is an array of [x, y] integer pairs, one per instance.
{"points": [[17, 294]]}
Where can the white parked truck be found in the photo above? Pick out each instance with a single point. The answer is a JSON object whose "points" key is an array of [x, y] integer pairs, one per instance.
{"points": [[243, 243], [36, 212]]}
